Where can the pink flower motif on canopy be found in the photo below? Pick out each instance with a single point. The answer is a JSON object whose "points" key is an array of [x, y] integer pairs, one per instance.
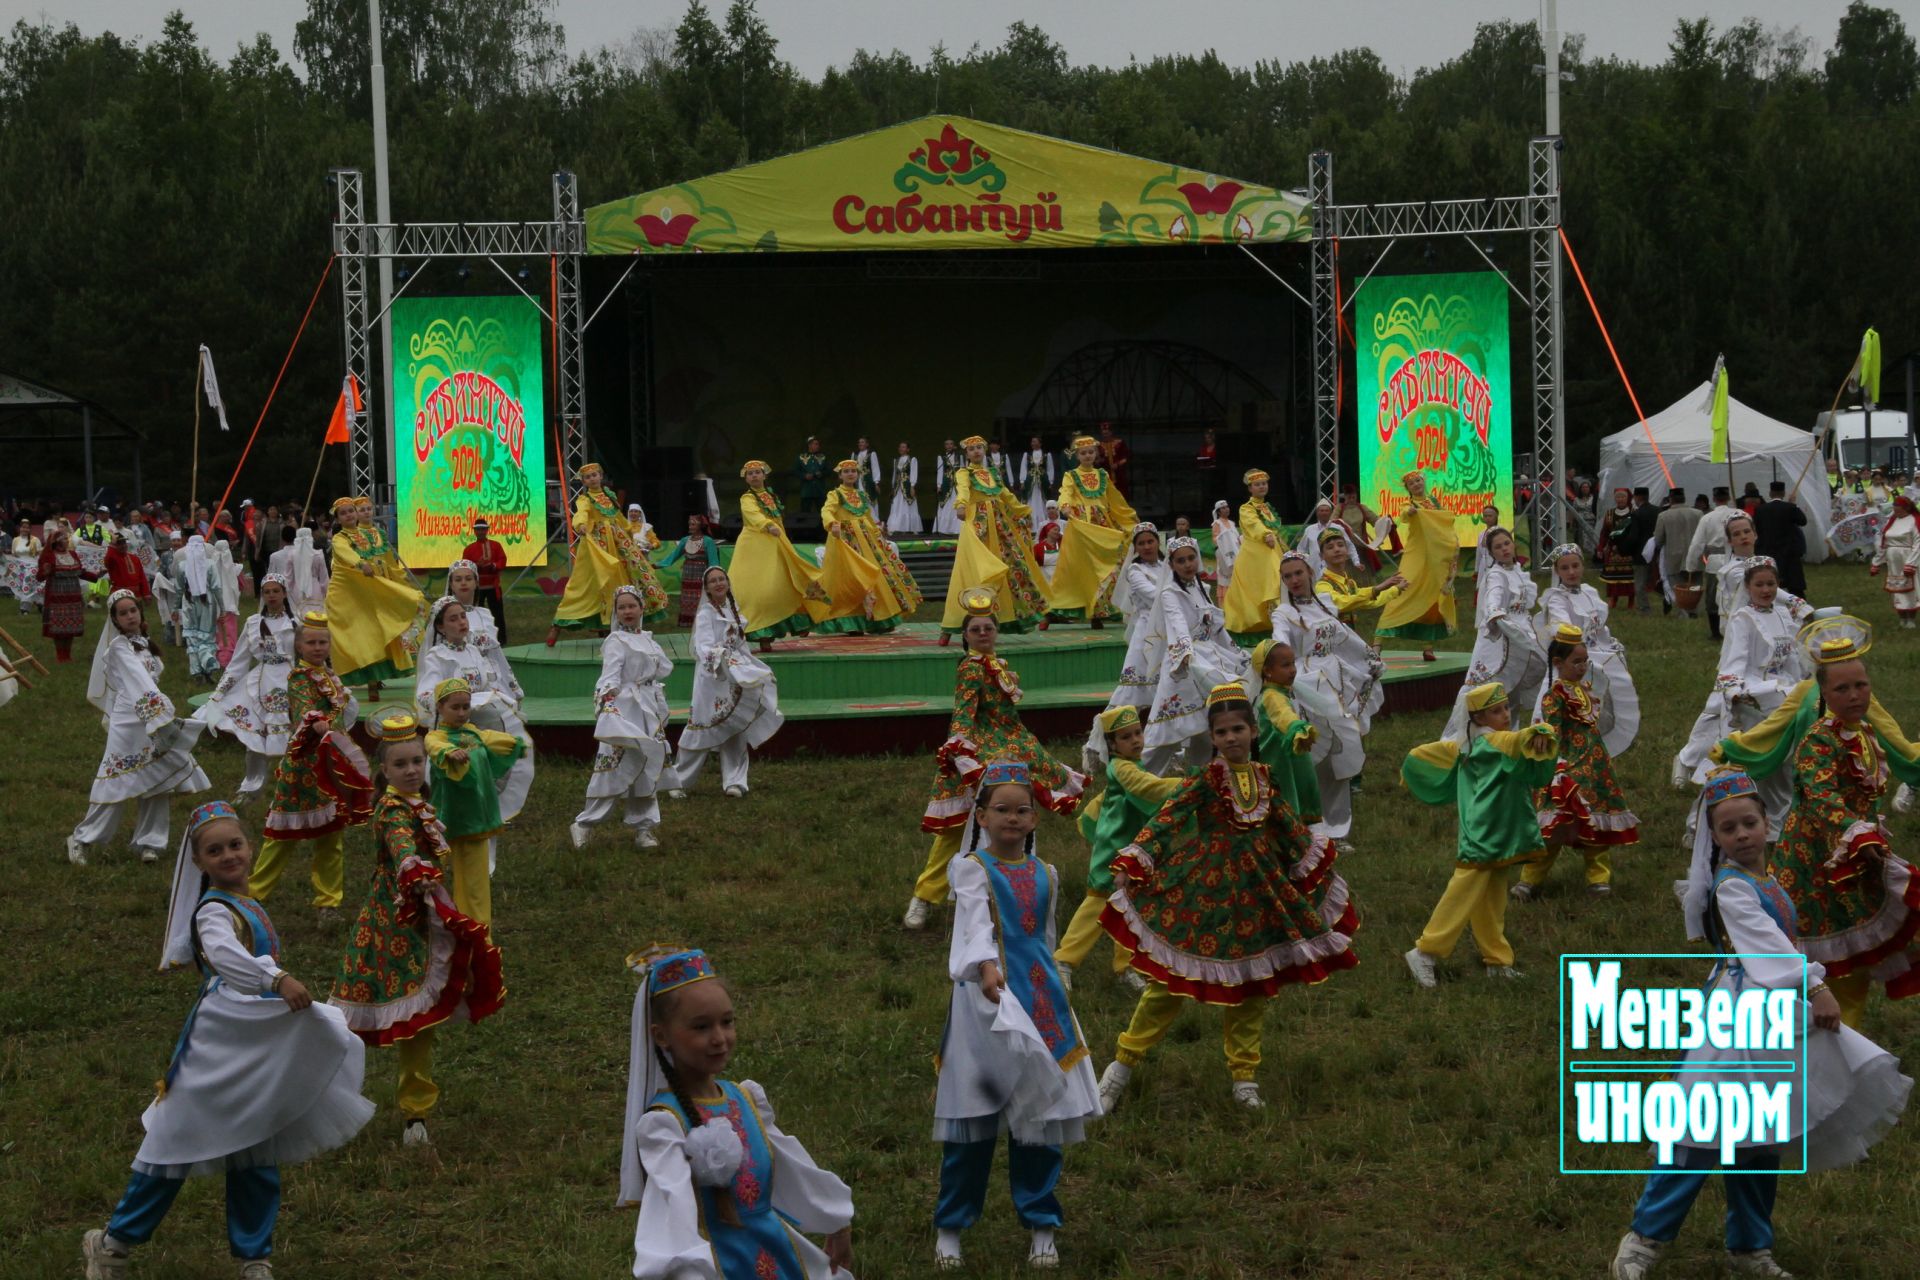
{"points": [[1210, 201], [668, 232]]}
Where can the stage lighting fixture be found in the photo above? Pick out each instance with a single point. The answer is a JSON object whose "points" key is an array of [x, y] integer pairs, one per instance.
{"points": [[463, 271], [401, 273]]}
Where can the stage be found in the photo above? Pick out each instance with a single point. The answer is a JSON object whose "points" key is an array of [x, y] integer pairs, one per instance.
{"points": [[865, 695]]}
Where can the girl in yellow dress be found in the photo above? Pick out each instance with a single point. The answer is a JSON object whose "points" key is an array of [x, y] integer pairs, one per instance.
{"points": [[1255, 588], [995, 551], [1424, 608], [1097, 519], [854, 537], [604, 557], [376, 610], [779, 593]]}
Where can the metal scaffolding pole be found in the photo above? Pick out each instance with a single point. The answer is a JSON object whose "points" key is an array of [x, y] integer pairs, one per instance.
{"points": [[1548, 514], [1326, 328], [568, 323], [350, 241]]}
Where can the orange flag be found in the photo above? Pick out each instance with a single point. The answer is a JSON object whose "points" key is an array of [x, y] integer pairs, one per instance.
{"points": [[337, 425]]}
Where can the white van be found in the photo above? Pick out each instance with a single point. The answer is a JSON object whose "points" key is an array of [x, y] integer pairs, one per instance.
{"points": [[1893, 445]]}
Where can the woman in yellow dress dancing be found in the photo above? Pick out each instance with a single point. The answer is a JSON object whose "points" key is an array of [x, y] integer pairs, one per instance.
{"points": [[853, 533], [1254, 589], [1424, 609], [377, 611], [778, 591], [1097, 519], [995, 551], [605, 556]]}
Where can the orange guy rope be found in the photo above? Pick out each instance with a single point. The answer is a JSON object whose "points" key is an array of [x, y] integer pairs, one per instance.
{"points": [[1622, 369], [228, 493]]}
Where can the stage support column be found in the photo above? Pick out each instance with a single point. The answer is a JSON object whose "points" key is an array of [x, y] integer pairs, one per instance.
{"points": [[1326, 328], [350, 242], [569, 324], [1548, 512]]}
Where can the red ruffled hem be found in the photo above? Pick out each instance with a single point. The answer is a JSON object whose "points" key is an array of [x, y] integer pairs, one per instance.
{"points": [[1906, 984], [473, 979], [1308, 974], [1570, 820], [341, 775]]}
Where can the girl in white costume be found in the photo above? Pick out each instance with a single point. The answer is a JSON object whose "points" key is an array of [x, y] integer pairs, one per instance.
{"points": [[1309, 544], [1189, 651], [149, 755], [1505, 650], [1337, 687], [262, 1075], [453, 648], [903, 513], [250, 701], [1143, 574], [631, 726], [1851, 1092], [304, 569], [736, 700], [1570, 601], [1898, 554], [1743, 549], [483, 630], [1037, 480], [226, 601], [946, 517], [1226, 545], [724, 1194], [1013, 1056]]}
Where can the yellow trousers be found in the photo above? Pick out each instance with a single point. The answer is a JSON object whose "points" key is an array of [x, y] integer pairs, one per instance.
{"points": [[472, 892], [1475, 896], [1599, 867], [1158, 1007], [932, 884], [329, 867], [417, 1092], [1083, 931], [1851, 993]]}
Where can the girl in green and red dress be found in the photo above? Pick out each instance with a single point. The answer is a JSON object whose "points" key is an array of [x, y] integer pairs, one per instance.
{"points": [[1224, 898], [1583, 805], [413, 960], [985, 726], [1286, 743], [322, 785]]}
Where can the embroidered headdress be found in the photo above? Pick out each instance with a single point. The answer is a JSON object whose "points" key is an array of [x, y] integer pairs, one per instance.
{"points": [[1007, 771], [1232, 692], [1839, 638], [1567, 633], [1483, 696], [1249, 476], [977, 601], [448, 687], [754, 464], [1565, 549]]}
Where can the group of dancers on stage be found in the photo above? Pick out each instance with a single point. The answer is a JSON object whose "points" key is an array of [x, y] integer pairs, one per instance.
{"points": [[1226, 799]]}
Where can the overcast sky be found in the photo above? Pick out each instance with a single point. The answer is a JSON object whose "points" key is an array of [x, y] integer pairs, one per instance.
{"points": [[1408, 34]]}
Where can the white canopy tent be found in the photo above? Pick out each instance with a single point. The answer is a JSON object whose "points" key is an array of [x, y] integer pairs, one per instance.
{"points": [[1762, 451]]}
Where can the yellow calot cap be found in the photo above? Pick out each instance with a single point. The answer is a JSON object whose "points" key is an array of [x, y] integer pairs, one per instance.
{"points": [[971, 441], [1114, 719], [1836, 638], [1567, 633], [846, 463], [1482, 696], [752, 464], [338, 503], [1226, 693], [314, 618], [977, 601], [1085, 442], [450, 686], [398, 727], [1837, 648], [1250, 476]]}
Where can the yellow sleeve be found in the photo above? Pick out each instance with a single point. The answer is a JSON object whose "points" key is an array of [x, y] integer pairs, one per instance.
{"points": [[833, 509], [1143, 785], [752, 514], [1535, 742], [440, 745], [582, 513], [1118, 508], [1441, 755], [1345, 601], [344, 556], [1251, 525], [1069, 498], [963, 490], [1278, 708], [500, 744]]}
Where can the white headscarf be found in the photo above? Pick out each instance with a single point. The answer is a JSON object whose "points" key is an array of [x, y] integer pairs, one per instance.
{"points": [[109, 631], [303, 584], [195, 564], [713, 1148]]}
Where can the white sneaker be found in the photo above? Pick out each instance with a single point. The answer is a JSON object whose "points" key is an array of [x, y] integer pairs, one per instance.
{"points": [[676, 793], [643, 838], [1681, 776], [1246, 1093], [415, 1134], [733, 793], [1503, 971], [916, 917], [1636, 1257], [102, 1263], [1425, 970], [946, 1250], [578, 833], [77, 855], [1758, 1262], [1600, 890], [1113, 1083], [1522, 892], [1133, 982], [1343, 847], [1903, 799], [1066, 971], [256, 1269], [149, 856], [1042, 1256]]}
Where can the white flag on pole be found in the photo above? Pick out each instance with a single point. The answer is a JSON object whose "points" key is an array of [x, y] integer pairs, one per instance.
{"points": [[212, 385]]}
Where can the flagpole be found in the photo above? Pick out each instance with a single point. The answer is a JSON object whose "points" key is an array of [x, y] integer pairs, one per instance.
{"points": [[306, 508], [193, 487]]}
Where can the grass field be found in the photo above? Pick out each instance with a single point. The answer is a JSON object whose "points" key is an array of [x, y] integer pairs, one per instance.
{"points": [[1409, 1133]]}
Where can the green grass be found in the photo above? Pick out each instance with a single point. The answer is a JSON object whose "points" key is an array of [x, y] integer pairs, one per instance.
{"points": [[1409, 1133]]}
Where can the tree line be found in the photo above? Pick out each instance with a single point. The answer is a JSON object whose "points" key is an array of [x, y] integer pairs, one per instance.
{"points": [[1744, 196]]}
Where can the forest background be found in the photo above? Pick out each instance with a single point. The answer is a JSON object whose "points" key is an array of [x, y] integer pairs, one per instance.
{"points": [[1745, 196]]}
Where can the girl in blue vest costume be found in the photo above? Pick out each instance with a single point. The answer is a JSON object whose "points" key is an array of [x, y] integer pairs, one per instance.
{"points": [[723, 1193], [261, 1075], [1013, 1056], [1851, 1092]]}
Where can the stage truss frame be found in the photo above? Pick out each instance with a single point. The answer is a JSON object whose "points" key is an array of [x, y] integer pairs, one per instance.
{"points": [[1535, 215], [359, 243]]}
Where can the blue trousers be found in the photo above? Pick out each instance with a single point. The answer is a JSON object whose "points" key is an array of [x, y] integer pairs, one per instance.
{"points": [[1663, 1205], [253, 1204], [1032, 1173]]}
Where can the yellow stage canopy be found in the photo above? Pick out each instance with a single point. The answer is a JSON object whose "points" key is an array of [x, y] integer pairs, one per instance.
{"points": [[946, 182]]}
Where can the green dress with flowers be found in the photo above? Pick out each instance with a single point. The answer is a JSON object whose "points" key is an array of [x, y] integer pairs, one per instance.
{"points": [[321, 784], [986, 727], [1281, 729], [1226, 896], [1583, 806]]}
